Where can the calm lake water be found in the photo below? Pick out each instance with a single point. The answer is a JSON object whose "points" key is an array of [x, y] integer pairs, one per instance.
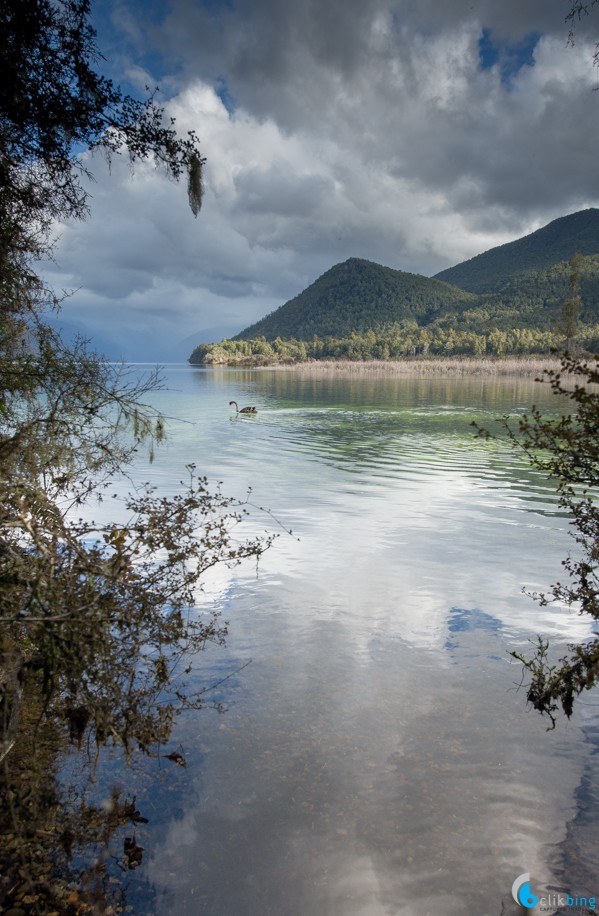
{"points": [[375, 758]]}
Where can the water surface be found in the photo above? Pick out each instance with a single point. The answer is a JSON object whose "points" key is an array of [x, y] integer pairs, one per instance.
{"points": [[376, 756]]}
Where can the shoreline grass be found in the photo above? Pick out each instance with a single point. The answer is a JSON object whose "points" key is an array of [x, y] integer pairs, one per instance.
{"points": [[448, 367]]}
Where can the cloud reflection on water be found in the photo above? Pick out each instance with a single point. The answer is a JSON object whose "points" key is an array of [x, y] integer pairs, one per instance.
{"points": [[376, 756]]}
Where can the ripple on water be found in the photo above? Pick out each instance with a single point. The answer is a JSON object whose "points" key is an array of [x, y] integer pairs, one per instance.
{"points": [[376, 757]]}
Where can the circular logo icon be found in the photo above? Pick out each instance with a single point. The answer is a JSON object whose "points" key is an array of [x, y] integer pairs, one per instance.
{"points": [[522, 893]]}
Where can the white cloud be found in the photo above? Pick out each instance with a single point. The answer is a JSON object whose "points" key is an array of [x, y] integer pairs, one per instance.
{"points": [[369, 132]]}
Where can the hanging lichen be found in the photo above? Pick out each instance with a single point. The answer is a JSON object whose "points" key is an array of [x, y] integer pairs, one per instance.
{"points": [[195, 186]]}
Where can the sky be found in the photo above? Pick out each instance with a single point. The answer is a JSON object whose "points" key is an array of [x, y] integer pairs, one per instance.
{"points": [[413, 133]]}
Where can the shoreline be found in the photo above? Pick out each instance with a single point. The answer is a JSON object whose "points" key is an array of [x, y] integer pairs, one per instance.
{"points": [[448, 367]]}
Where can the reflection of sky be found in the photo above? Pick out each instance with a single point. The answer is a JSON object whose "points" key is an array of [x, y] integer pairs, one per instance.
{"points": [[344, 784], [398, 509], [376, 757]]}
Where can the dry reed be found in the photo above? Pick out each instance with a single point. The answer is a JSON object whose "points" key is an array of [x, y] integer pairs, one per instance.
{"points": [[423, 367]]}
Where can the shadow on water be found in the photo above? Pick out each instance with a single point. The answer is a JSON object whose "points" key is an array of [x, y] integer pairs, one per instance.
{"points": [[576, 856], [66, 846]]}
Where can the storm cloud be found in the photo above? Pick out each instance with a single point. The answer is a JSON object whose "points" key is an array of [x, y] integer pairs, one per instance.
{"points": [[415, 134]]}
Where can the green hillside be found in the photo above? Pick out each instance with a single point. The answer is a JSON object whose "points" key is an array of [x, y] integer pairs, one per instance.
{"points": [[558, 241], [359, 295], [532, 299], [511, 303]]}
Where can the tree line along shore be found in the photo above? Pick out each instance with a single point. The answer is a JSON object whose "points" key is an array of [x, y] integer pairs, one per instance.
{"points": [[420, 351]]}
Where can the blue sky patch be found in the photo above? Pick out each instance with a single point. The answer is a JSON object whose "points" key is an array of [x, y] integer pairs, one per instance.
{"points": [[118, 47], [510, 57], [488, 53], [222, 90]]}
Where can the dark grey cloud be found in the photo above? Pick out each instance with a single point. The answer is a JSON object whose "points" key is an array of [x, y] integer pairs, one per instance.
{"points": [[401, 82], [271, 52], [412, 133], [276, 189]]}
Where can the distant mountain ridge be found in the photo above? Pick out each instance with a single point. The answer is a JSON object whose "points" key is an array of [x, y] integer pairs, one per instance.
{"points": [[558, 241]]}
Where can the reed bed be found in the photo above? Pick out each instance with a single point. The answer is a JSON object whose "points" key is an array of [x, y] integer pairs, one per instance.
{"points": [[449, 367]]}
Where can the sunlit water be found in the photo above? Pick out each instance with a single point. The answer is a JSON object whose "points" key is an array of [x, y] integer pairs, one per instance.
{"points": [[375, 757]]}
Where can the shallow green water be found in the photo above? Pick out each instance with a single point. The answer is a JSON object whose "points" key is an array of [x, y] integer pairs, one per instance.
{"points": [[375, 757]]}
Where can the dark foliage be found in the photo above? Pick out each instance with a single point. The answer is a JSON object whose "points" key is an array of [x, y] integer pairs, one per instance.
{"points": [[566, 449], [54, 104], [578, 12], [95, 620]]}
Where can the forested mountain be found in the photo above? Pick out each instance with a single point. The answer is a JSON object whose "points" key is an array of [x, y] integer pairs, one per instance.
{"points": [[532, 299], [521, 284], [510, 300], [559, 240], [358, 295]]}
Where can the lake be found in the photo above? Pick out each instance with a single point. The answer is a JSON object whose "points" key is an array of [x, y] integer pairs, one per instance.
{"points": [[376, 756]]}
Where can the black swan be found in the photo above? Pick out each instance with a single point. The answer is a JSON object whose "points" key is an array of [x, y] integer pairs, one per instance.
{"points": [[243, 409]]}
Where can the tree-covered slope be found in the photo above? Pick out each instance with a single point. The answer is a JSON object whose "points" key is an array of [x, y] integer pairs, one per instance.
{"points": [[519, 287], [559, 240], [526, 318], [359, 295], [532, 299]]}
